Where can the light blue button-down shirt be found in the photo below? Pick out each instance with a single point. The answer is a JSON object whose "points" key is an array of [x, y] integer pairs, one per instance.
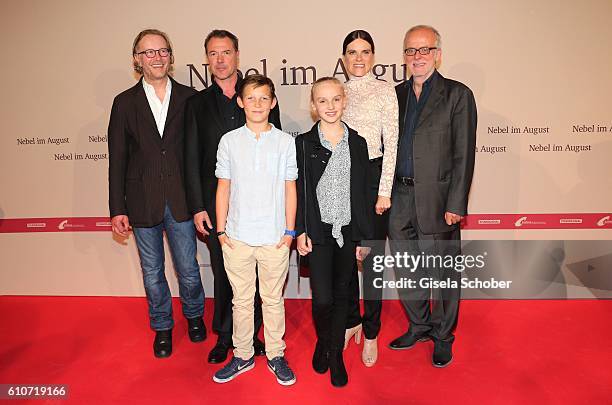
{"points": [[258, 169]]}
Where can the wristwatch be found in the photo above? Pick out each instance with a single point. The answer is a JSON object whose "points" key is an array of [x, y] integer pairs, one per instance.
{"points": [[220, 233], [293, 234]]}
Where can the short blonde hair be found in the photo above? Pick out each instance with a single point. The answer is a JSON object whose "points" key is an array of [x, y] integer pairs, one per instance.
{"points": [[151, 31]]}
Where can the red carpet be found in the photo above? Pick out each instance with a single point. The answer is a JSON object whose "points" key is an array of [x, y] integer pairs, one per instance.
{"points": [[507, 352]]}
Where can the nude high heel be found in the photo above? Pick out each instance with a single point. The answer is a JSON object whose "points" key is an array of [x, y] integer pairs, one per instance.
{"points": [[355, 330], [369, 356]]}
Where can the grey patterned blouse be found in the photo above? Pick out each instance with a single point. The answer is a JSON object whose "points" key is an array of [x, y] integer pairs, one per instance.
{"points": [[334, 188]]}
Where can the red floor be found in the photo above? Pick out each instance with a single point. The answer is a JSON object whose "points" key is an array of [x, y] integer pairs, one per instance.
{"points": [[507, 352]]}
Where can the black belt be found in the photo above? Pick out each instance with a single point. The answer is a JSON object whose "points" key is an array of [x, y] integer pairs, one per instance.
{"points": [[406, 181]]}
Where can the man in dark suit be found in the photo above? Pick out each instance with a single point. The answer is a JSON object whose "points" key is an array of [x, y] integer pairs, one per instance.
{"points": [[209, 115], [146, 190], [430, 195]]}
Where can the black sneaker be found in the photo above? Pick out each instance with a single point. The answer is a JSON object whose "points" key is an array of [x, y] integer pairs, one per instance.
{"points": [[281, 370], [235, 367]]}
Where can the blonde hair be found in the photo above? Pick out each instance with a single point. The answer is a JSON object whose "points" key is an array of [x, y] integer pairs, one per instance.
{"points": [[324, 80], [140, 36]]}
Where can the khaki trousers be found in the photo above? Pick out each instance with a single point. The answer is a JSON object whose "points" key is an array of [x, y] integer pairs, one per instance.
{"points": [[272, 266]]}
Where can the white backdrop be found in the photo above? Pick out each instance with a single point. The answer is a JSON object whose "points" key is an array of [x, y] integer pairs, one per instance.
{"points": [[530, 64]]}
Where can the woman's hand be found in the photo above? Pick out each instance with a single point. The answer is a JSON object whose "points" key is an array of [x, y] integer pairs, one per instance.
{"points": [[382, 204]]}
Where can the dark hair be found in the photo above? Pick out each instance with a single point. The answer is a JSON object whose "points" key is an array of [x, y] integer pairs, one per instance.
{"points": [[221, 34], [357, 34], [141, 35], [256, 81]]}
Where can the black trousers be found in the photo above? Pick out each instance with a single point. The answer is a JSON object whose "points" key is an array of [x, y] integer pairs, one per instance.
{"points": [[331, 271], [372, 297], [222, 318], [437, 318]]}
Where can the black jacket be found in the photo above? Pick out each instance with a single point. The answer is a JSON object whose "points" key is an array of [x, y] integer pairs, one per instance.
{"points": [[312, 158], [204, 128], [145, 170]]}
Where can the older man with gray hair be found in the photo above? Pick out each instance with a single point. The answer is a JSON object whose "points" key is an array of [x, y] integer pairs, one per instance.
{"points": [[435, 164]]}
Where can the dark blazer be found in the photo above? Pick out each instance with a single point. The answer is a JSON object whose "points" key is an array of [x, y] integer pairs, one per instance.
{"points": [[444, 142], [145, 170], [204, 127], [312, 158]]}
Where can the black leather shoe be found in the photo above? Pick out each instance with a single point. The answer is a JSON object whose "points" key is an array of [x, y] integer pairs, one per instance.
{"points": [[443, 354], [259, 347], [162, 345], [196, 329], [337, 371], [407, 341], [218, 354], [320, 359]]}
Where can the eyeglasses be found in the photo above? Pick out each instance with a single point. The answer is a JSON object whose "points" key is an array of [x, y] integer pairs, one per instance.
{"points": [[423, 51], [150, 53]]}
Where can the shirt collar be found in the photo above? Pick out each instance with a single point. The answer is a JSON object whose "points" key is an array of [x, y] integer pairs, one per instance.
{"points": [[427, 82], [151, 90], [218, 89], [367, 77], [322, 137], [253, 134]]}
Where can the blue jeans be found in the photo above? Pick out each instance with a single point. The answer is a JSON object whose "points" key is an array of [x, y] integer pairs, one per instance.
{"points": [[182, 241]]}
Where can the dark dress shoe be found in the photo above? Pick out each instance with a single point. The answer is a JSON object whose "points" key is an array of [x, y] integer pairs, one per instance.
{"points": [[218, 354], [443, 354], [320, 359], [196, 329], [407, 341], [259, 347], [162, 345], [337, 371]]}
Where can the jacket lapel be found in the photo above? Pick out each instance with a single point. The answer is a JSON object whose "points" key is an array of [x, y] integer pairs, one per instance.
{"points": [[402, 100], [436, 96], [316, 154], [173, 106], [215, 112], [144, 110]]}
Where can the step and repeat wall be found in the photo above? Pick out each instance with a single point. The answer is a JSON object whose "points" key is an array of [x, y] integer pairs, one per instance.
{"points": [[540, 72]]}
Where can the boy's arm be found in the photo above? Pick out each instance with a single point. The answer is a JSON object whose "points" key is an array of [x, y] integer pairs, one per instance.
{"points": [[291, 174], [290, 210], [222, 197], [290, 204], [222, 202]]}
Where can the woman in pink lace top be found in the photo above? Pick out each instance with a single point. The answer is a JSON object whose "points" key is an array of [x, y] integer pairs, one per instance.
{"points": [[373, 112]]}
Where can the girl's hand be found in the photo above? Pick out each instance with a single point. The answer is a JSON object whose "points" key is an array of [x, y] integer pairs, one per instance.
{"points": [[304, 245]]}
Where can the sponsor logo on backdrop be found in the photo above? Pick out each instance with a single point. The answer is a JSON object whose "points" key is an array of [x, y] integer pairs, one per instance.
{"points": [[103, 224], [65, 224], [36, 225], [604, 221], [570, 220], [489, 221], [524, 221]]}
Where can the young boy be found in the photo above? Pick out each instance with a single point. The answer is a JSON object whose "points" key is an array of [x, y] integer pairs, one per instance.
{"points": [[256, 206]]}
